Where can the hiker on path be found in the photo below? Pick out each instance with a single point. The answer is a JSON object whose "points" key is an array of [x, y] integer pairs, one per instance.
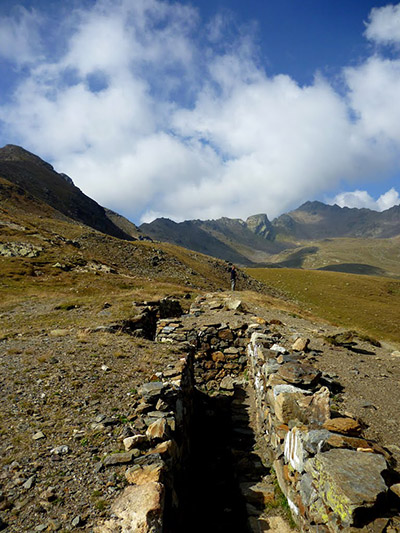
{"points": [[233, 277]]}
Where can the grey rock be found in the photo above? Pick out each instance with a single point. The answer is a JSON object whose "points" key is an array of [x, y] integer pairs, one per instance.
{"points": [[120, 458], [60, 450], [77, 521], [152, 390], [315, 439], [29, 482], [347, 480]]}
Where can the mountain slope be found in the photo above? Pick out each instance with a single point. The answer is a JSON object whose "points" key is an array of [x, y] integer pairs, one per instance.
{"points": [[315, 220], [298, 239], [192, 235], [225, 238], [56, 190]]}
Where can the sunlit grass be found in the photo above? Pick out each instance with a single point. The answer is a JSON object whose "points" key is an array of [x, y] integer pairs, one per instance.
{"points": [[363, 303]]}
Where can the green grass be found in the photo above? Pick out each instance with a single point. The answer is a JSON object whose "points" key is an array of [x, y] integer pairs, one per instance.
{"points": [[369, 305]]}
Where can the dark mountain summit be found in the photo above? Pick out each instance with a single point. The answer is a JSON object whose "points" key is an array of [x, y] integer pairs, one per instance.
{"points": [[315, 220], [39, 178]]}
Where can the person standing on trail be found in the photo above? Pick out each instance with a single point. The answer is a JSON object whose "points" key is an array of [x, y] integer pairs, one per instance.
{"points": [[233, 277]]}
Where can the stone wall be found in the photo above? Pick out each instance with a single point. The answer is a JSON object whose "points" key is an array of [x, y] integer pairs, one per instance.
{"points": [[154, 455], [333, 479]]}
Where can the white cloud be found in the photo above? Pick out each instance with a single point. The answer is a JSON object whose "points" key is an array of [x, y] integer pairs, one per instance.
{"points": [[388, 200], [374, 95], [384, 25], [182, 128], [20, 36], [362, 199]]}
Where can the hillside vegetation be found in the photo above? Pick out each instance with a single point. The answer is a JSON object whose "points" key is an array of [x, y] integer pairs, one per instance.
{"points": [[355, 256], [368, 304]]}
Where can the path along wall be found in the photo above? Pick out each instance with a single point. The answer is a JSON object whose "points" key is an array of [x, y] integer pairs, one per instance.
{"points": [[333, 479]]}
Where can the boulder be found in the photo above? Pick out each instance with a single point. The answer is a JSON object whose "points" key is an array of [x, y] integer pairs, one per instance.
{"points": [[347, 480], [139, 510]]}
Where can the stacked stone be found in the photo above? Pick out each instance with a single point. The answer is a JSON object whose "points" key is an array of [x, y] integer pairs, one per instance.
{"points": [[174, 331], [155, 453], [221, 354], [329, 474]]}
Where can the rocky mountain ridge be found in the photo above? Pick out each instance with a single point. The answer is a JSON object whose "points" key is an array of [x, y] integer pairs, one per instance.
{"points": [[39, 178], [286, 241]]}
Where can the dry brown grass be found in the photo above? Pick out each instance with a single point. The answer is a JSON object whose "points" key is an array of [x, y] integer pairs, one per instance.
{"points": [[364, 303]]}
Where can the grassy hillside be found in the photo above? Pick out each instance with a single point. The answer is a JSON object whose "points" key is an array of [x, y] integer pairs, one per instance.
{"points": [[369, 256], [52, 264], [365, 303]]}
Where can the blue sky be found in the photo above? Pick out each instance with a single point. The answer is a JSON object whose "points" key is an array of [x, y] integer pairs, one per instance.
{"points": [[207, 108]]}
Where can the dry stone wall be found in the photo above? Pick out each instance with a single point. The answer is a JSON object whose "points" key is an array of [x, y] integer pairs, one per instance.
{"points": [[333, 479], [154, 455]]}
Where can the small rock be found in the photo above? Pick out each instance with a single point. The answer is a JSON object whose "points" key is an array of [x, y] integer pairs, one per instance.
{"points": [[39, 435], [29, 482], [151, 390], [218, 357], [48, 495], [277, 348], [301, 345], [162, 405], [297, 373], [134, 442], [120, 458], [77, 521], [59, 332], [346, 426], [157, 430], [60, 450], [138, 475], [368, 405], [396, 489], [227, 383], [235, 305]]}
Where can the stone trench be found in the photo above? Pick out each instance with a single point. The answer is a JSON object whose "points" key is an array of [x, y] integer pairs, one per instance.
{"points": [[240, 429]]}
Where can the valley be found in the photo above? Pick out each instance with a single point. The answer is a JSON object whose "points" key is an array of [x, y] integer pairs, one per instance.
{"points": [[89, 315]]}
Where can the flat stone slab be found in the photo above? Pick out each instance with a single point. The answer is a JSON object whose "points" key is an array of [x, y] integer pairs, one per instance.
{"points": [[347, 480], [297, 373]]}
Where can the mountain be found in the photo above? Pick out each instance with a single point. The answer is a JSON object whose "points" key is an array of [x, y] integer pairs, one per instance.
{"points": [[229, 239], [39, 178], [315, 235], [315, 220]]}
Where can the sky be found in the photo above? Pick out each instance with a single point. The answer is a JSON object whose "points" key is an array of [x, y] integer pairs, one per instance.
{"points": [[208, 108]]}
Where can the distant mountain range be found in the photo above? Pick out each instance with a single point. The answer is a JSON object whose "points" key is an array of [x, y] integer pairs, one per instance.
{"points": [[315, 236], [260, 241]]}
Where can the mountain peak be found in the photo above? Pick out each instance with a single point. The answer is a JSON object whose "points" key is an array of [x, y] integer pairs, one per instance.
{"points": [[259, 224], [12, 152]]}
